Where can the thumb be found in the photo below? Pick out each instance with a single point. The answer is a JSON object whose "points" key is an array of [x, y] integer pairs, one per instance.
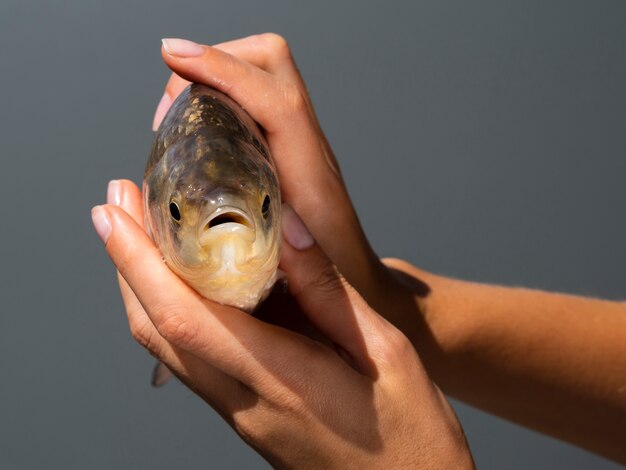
{"points": [[324, 295]]}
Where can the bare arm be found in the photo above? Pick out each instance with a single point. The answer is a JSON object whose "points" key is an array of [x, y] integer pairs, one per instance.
{"points": [[555, 363]]}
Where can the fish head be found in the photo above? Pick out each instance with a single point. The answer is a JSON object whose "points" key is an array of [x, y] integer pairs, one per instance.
{"points": [[218, 220]]}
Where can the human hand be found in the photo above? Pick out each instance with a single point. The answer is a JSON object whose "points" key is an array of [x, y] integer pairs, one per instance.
{"points": [[362, 399]]}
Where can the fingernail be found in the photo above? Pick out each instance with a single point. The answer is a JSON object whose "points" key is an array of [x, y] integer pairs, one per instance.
{"points": [[294, 230], [162, 108], [114, 193], [181, 47], [101, 223]]}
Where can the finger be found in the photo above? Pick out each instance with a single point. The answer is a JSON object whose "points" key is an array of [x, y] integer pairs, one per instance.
{"points": [[264, 95], [126, 194], [330, 302], [269, 52]]}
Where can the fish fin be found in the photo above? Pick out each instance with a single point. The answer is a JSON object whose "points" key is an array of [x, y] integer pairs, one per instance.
{"points": [[160, 375]]}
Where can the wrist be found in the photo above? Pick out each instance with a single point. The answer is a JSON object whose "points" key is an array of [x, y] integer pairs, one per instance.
{"points": [[434, 312]]}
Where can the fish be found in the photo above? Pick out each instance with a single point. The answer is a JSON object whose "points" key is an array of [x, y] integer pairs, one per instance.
{"points": [[212, 200]]}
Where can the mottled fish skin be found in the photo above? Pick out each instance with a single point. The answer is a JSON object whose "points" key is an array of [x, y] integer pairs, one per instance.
{"points": [[210, 166]]}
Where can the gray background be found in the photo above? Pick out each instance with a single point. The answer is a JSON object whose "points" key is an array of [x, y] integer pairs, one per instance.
{"points": [[484, 140]]}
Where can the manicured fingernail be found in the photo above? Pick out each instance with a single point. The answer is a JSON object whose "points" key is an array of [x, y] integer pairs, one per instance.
{"points": [[114, 193], [181, 47], [101, 223], [162, 108], [294, 230]]}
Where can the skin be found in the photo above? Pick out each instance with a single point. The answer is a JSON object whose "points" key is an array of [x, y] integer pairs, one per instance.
{"points": [[552, 362]]}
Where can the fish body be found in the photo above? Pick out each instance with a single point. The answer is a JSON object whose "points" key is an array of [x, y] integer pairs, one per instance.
{"points": [[212, 199]]}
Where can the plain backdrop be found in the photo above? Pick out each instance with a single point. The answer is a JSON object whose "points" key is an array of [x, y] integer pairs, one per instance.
{"points": [[484, 140]]}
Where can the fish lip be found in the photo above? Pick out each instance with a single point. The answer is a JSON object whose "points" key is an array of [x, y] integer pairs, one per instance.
{"points": [[245, 221]]}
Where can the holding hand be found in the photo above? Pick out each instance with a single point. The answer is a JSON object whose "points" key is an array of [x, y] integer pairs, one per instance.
{"points": [[361, 399]]}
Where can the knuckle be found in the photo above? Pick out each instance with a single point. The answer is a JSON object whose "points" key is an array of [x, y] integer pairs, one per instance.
{"points": [[174, 325], [286, 400], [251, 426], [276, 43], [295, 100], [394, 346], [328, 282], [145, 334], [246, 428], [258, 425], [287, 102]]}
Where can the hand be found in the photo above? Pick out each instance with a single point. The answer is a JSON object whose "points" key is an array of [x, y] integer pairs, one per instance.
{"points": [[362, 400]]}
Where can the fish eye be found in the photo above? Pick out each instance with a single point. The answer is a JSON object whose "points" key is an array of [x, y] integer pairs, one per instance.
{"points": [[175, 211], [266, 206]]}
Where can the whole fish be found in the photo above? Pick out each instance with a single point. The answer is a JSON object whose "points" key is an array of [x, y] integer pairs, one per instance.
{"points": [[212, 199]]}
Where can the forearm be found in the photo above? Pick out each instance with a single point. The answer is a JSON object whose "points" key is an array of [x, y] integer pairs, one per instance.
{"points": [[552, 362]]}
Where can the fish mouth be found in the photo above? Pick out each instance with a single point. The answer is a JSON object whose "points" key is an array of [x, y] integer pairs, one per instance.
{"points": [[226, 220]]}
